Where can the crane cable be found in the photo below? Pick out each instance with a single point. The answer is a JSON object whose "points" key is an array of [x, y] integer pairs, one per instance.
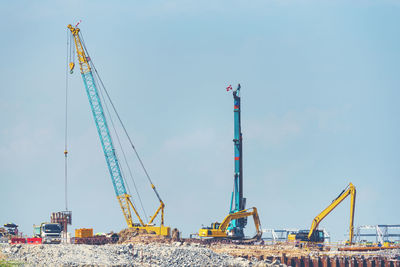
{"points": [[123, 126], [70, 64], [123, 154], [130, 141], [66, 121]]}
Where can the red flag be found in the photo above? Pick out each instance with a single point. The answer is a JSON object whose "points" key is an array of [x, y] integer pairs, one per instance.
{"points": [[229, 88]]}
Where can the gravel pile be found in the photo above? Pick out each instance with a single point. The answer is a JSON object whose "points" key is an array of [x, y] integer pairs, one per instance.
{"points": [[175, 254]]}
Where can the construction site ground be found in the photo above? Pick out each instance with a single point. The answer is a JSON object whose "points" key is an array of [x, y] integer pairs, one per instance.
{"points": [[148, 250], [277, 251]]}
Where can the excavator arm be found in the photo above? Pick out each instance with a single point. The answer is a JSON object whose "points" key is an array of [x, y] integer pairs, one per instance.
{"points": [[243, 214], [349, 190], [222, 231]]}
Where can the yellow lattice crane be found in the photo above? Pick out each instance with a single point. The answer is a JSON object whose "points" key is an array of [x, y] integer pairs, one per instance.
{"points": [[108, 147]]}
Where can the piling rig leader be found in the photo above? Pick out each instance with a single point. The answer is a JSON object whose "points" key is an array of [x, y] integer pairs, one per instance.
{"points": [[233, 225]]}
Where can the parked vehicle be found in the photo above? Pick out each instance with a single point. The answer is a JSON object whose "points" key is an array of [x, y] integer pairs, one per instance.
{"points": [[49, 232]]}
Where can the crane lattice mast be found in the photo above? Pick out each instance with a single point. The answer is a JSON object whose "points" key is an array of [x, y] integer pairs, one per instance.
{"points": [[103, 130]]}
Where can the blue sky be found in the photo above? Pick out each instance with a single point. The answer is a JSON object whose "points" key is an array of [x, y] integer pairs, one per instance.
{"points": [[319, 109]]}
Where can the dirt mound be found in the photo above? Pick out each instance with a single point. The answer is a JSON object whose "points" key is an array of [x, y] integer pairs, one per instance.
{"points": [[127, 234], [133, 235]]}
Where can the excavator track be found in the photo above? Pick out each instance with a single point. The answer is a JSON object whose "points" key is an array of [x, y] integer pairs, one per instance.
{"points": [[211, 241]]}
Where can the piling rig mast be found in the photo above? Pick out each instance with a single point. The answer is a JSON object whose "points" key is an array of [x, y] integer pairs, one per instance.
{"points": [[238, 202], [235, 222]]}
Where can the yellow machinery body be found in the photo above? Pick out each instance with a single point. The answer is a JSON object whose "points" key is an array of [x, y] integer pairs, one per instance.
{"points": [[212, 231], [291, 237], [219, 230], [158, 230], [84, 232]]}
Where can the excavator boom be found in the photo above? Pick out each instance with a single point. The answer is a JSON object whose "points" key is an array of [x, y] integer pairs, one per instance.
{"points": [[351, 190], [221, 229]]}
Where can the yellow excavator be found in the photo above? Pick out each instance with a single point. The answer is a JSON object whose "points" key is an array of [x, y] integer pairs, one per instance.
{"points": [[220, 230], [317, 236]]}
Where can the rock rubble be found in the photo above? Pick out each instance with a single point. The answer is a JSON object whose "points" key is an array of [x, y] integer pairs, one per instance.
{"points": [[174, 254]]}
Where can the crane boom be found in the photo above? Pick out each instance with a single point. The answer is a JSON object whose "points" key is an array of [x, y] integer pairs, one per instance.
{"points": [[107, 143], [351, 190], [102, 128]]}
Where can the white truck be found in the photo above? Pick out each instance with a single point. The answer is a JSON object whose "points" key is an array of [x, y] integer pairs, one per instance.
{"points": [[49, 232]]}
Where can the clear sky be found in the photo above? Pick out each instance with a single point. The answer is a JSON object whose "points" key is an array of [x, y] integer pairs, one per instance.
{"points": [[320, 109]]}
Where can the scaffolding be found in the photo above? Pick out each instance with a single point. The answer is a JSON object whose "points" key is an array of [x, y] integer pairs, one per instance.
{"points": [[383, 233], [64, 218], [277, 235]]}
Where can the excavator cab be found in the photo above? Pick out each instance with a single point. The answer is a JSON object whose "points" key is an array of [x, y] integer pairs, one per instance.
{"points": [[215, 225], [302, 236], [221, 230], [317, 237]]}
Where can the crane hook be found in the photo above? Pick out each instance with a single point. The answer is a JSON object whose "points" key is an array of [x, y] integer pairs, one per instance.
{"points": [[71, 67]]}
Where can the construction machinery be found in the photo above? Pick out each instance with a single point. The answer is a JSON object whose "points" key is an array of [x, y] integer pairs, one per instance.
{"points": [[233, 225], [11, 229], [220, 229], [317, 236], [85, 236], [49, 232], [113, 164]]}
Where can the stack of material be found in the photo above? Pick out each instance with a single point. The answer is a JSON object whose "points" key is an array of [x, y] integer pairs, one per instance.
{"points": [[84, 232], [134, 235], [85, 236]]}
